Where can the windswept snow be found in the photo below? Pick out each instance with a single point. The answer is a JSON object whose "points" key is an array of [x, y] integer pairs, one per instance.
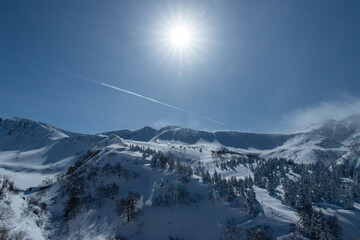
{"points": [[43, 160]]}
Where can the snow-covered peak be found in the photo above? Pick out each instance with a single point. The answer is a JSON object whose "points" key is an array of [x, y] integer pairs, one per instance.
{"points": [[338, 130], [191, 136], [18, 133], [25, 126], [174, 174], [325, 141], [144, 134]]}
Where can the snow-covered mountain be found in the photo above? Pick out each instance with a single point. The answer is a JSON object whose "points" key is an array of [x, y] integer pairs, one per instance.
{"points": [[342, 130], [180, 183], [190, 136], [325, 141]]}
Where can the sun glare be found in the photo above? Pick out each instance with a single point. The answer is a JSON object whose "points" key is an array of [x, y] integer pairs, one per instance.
{"points": [[180, 36]]}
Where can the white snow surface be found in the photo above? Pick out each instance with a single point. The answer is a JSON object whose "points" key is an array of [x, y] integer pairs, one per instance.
{"points": [[32, 152]]}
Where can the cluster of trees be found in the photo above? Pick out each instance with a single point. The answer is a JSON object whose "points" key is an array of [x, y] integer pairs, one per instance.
{"points": [[165, 161], [161, 160], [316, 182], [234, 187], [234, 232], [338, 183], [231, 231], [91, 173], [74, 190], [146, 152], [7, 234], [315, 225], [304, 186], [35, 205], [229, 188], [177, 195], [130, 206], [106, 191], [262, 232], [7, 188], [119, 171], [83, 159], [77, 199], [81, 175]]}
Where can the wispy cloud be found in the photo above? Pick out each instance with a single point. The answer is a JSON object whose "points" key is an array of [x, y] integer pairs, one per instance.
{"points": [[161, 123], [189, 122], [331, 109]]}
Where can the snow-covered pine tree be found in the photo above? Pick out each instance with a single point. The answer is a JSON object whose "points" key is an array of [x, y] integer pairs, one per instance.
{"points": [[332, 222], [271, 184], [250, 202], [349, 198], [206, 177]]}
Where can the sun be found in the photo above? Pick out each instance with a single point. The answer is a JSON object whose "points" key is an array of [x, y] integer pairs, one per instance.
{"points": [[180, 36]]}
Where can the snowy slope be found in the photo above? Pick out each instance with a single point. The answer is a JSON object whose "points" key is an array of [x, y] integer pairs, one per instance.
{"points": [[191, 136], [338, 130], [38, 151], [326, 141], [50, 164]]}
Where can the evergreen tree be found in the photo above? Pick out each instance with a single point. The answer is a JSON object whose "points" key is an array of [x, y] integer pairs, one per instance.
{"points": [[258, 180], [306, 214], [240, 188], [271, 185], [289, 197], [332, 222], [231, 231], [206, 177], [250, 202], [216, 178], [230, 192], [304, 199], [322, 230], [349, 198], [154, 162], [171, 164]]}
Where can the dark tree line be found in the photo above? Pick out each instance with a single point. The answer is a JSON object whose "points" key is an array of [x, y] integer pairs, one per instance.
{"points": [[81, 175], [129, 206], [229, 188], [233, 232], [177, 195], [298, 185]]}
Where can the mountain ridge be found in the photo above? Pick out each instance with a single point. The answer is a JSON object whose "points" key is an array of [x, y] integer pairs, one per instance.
{"points": [[326, 141], [174, 174]]}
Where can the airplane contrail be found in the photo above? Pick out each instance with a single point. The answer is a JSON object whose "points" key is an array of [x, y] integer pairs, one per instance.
{"points": [[119, 89], [136, 94]]}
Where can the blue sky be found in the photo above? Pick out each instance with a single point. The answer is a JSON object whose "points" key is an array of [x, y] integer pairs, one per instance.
{"points": [[258, 66]]}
